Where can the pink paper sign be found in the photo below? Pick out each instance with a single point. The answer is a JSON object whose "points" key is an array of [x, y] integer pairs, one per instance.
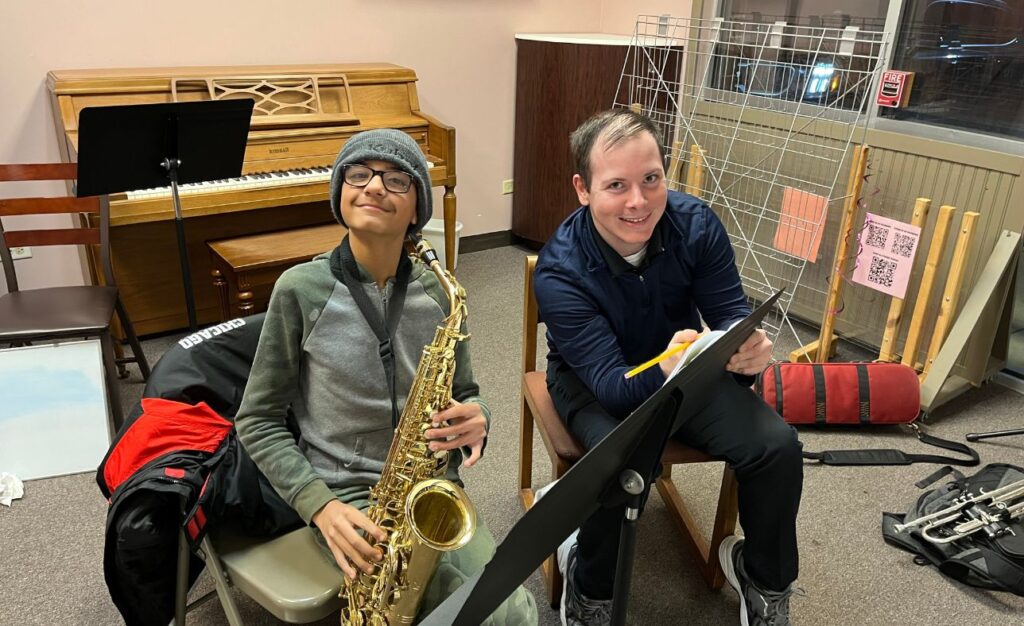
{"points": [[800, 224], [886, 255]]}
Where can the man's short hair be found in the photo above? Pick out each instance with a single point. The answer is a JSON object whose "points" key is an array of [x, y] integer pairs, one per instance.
{"points": [[611, 127]]}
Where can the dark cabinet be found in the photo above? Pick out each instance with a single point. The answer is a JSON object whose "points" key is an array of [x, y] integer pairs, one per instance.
{"points": [[561, 80]]}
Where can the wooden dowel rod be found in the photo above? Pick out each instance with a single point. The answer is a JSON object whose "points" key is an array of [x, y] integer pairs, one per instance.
{"points": [[697, 159], [924, 292], [853, 189], [895, 317], [954, 280], [675, 166]]}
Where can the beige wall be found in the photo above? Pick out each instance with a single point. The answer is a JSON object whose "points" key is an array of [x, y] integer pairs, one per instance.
{"points": [[463, 53], [620, 16]]}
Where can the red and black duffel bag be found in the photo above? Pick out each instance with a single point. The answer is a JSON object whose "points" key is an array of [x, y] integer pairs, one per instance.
{"points": [[842, 393], [854, 394]]}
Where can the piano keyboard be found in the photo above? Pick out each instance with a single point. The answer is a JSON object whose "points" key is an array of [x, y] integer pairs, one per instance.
{"points": [[249, 181]]}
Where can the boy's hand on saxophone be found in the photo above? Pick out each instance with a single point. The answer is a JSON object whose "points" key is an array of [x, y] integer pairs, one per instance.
{"points": [[467, 427], [340, 524]]}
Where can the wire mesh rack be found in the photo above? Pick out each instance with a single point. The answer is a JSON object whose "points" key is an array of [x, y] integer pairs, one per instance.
{"points": [[758, 119]]}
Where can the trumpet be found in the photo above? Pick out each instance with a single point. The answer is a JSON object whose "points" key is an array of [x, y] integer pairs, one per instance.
{"points": [[989, 511]]}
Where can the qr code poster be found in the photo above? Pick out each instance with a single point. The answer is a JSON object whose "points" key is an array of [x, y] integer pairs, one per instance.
{"points": [[886, 255]]}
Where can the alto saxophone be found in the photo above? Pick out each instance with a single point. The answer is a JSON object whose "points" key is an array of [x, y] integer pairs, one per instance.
{"points": [[422, 514]]}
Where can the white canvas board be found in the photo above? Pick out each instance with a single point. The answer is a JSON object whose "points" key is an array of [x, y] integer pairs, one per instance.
{"points": [[53, 409]]}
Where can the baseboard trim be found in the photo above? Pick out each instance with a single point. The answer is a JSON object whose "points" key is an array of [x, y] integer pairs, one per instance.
{"points": [[486, 241]]}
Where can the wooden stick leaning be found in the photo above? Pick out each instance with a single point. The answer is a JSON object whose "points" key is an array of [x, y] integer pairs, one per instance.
{"points": [[924, 291], [895, 317], [675, 167], [835, 291], [951, 294], [695, 172]]}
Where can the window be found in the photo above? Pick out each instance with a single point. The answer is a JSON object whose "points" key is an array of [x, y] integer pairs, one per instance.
{"points": [[802, 63], [866, 14], [968, 60]]}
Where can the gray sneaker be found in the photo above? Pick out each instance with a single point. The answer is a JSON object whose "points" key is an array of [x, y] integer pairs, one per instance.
{"points": [[577, 609], [758, 607]]}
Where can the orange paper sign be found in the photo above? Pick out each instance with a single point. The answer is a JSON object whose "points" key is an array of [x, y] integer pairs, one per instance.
{"points": [[801, 223]]}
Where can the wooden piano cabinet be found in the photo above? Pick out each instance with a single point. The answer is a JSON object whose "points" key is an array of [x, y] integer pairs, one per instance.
{"points": [[561, 80]]}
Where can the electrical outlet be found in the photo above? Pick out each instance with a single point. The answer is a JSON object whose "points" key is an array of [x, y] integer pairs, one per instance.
{"points": [[21, 252], [506, 186]]}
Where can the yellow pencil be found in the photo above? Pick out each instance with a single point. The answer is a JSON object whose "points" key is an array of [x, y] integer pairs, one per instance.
{"points": [[676, 349]]}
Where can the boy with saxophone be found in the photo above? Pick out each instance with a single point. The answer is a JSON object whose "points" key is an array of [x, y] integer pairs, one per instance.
{"points": [[339, 351]]}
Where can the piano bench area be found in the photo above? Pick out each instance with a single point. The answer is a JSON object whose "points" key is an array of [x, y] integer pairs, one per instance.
{"points": [[246, 268]]}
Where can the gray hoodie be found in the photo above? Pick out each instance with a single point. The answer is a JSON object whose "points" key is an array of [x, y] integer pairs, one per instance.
{"points": [[318, 357]]}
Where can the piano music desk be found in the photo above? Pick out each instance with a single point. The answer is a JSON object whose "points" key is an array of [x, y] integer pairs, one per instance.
{"points": [[250, 265]]}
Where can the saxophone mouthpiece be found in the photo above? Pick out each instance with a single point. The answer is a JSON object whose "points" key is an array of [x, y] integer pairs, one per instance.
{"points": [[424, 250]]}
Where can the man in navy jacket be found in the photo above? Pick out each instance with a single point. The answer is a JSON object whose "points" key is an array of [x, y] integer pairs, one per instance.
{"points": [[629, 274]]}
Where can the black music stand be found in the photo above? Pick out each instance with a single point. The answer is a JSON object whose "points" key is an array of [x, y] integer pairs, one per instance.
{"points": [[618, 470], [126, 148]]}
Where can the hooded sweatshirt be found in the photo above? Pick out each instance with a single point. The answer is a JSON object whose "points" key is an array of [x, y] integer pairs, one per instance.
{"points": [[318, 360]]}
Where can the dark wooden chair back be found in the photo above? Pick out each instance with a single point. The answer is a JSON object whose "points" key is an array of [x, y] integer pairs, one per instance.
{"points": [[76, 311], [78, 208]]}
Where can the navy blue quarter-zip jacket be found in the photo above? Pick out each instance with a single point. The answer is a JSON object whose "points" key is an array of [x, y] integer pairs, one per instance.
{"points": [[604, 317]]}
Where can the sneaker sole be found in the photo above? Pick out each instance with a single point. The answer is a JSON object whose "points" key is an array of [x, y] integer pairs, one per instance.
{"points": [[562, 563], [725, 558], [561, 611]]}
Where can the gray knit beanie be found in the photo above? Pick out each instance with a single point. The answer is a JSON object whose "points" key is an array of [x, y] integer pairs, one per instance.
{"points": [[395, 147]]}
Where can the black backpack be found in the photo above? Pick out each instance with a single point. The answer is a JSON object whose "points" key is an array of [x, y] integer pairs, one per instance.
{"points": [[190, 473], [991, 557]]}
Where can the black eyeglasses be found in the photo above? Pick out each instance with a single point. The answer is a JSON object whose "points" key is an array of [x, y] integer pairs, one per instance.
{"points": [[395, 181]]}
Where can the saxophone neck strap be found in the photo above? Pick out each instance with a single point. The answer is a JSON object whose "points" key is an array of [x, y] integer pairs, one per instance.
{"points": [[345, 269]]}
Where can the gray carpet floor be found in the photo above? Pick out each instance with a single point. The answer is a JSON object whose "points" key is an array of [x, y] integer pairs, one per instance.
{"points": [[51, 542]]}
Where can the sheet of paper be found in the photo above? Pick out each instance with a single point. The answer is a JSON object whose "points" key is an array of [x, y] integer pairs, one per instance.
{"points": [[886, 254], [695, 348], [801, 224]]}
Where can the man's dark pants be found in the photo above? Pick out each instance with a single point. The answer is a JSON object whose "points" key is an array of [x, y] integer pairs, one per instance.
{"points": [[736, 427]]}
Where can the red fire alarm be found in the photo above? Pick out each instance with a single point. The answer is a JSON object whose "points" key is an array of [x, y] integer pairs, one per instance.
{"points": [[894, 89]]}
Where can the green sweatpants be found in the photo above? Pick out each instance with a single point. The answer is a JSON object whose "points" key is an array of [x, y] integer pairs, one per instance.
{"points": [[455, 568]]}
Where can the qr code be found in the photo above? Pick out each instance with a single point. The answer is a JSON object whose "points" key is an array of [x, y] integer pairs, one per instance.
{"points": [[903, 245], [877, 235], [881, 271]]}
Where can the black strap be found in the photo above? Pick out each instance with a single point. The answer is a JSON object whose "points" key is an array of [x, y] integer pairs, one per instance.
{"points": [[864, 393], [345, 269], [898, 457], [819, 394], [942, 472], [778, 388]]}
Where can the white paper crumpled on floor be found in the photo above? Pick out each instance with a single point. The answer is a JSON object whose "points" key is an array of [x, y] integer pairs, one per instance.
{"points": [[11, 488]]}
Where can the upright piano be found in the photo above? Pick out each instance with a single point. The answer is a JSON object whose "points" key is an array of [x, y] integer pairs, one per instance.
{"points": [[302, 116]]}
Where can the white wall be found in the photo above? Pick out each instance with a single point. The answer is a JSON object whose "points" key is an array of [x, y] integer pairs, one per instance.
{"points": [[462, 51]]}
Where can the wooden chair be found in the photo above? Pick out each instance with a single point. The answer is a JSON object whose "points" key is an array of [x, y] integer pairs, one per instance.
{"points": [[52, 313], [539, 410]]}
